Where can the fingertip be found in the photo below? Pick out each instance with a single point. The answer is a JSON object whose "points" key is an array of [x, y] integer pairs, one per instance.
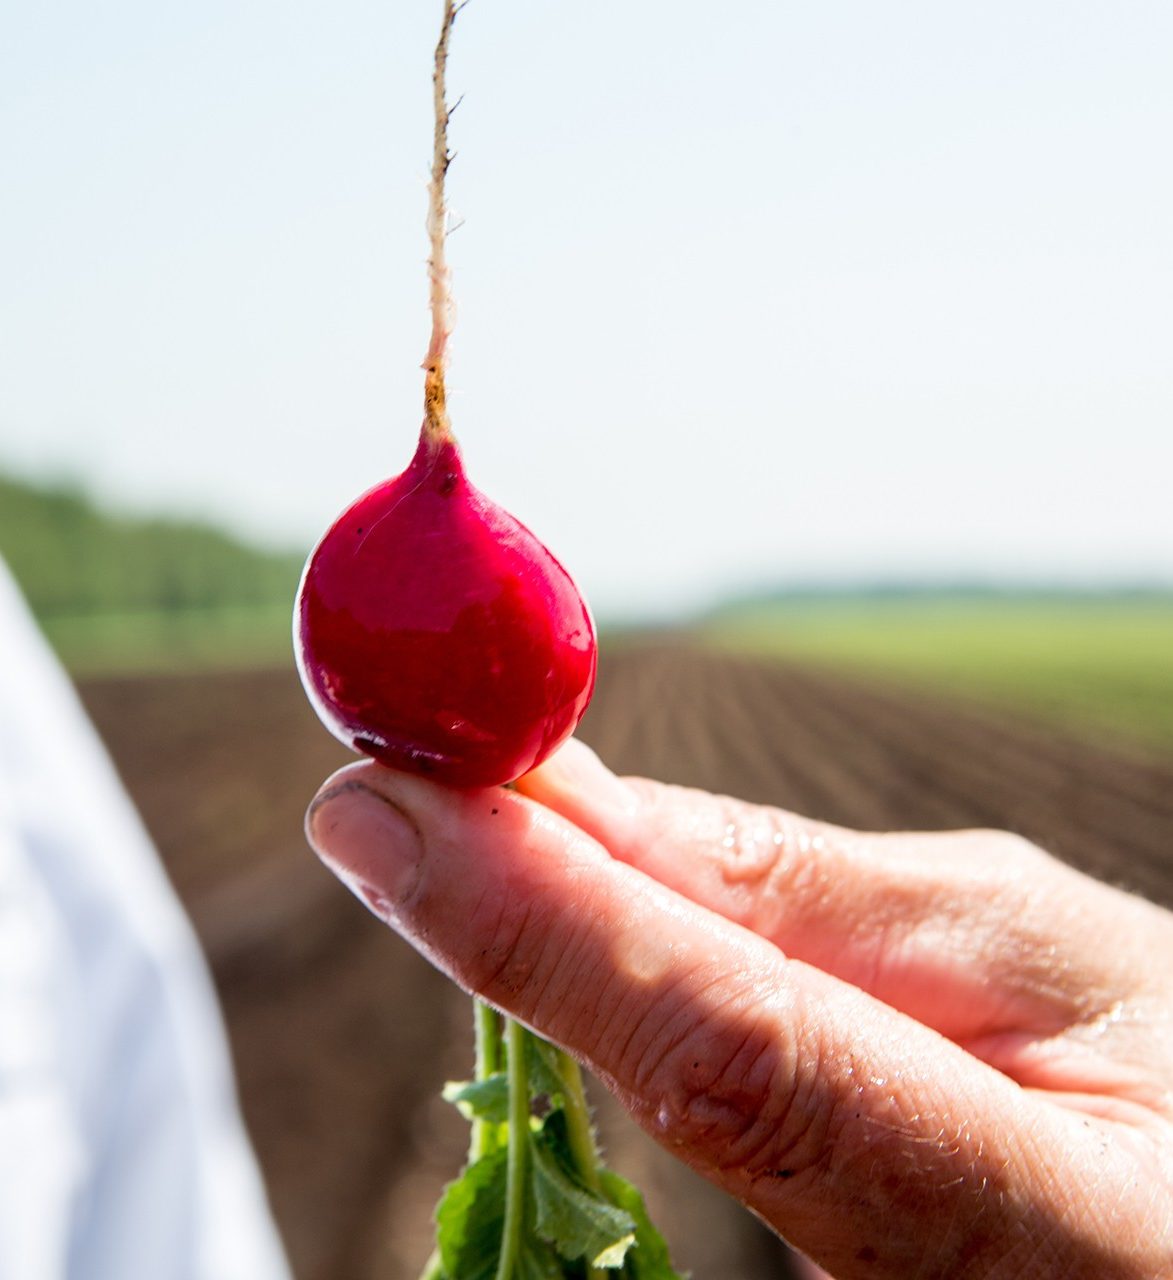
{"points": [[370, 842]]}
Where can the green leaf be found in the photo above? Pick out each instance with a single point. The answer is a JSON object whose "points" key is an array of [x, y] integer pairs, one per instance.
{"points": [[648, 1258], [579, 1223], [486, 1099], [469, 1219], [566, 1227], [545, 1077], [538, 1261]]}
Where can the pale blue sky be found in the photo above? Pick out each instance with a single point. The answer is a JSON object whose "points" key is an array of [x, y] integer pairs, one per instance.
{"points": [[792, 291]]}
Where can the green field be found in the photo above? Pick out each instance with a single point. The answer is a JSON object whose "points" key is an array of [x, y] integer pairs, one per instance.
{"points": [[1099, 664], [117, 593], [120, 594]]}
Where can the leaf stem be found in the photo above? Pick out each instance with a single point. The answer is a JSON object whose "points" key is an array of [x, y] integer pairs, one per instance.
{"points": [[579, 1132], [487, 1027], [584, 1151], [515, 1168]]}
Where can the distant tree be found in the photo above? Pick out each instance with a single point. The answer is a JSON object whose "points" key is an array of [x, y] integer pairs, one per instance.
{"points": [[72, 558]]}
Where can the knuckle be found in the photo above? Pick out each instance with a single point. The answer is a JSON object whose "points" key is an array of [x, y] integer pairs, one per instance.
{"points": [[1005, 871], [768, 849], [1005, 848], [728, 1094]]}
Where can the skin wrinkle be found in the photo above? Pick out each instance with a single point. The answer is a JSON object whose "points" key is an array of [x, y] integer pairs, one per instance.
{"points": [[1014, 1258], [883, 950], [1026, 962], [731, 1120], [1156, 1213], [770, 1151], [625, 1016], [988, 922], [648, 1033], [1160, 1214], [488, 896], [555, 978], [1000, 1200], [539, 955], [660, 1046], [753, 1102], [499, 974], [789, 882], [662, 834], [640, 1022], [563, 945], [573, 958], [750, 1158], [1092, 1049], [623, 1008], [1104, 1194], [800, 1098], [801, 884]]}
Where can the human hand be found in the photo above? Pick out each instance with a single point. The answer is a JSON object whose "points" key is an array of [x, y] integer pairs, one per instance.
{"points": [[911, 1054]]}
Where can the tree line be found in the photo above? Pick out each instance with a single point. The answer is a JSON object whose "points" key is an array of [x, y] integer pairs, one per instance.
{"points": [[72, 558]]}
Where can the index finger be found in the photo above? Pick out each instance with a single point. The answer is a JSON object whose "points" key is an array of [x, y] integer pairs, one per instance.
{"points": [[958, 929]]}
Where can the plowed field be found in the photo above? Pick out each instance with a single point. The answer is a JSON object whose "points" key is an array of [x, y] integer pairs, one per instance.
{"points": [[342, 1036]]}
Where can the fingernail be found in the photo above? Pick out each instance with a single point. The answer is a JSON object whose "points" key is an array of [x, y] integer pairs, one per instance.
{"points": [[371, 844], [576, 768]]}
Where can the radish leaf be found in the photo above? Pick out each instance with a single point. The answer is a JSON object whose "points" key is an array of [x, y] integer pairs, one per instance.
{"points": [[469, 1217], [486, 1099], [576, 1219], [578, 1222], [648, 1257]]}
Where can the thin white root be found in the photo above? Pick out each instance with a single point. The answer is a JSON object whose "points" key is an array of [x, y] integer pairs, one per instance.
{"points": [[436, 421]]}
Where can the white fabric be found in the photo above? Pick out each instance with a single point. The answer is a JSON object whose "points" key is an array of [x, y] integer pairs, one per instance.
{"points": [[122, 1156]]}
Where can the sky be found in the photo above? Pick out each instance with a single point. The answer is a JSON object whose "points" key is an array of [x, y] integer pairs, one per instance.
{"points": [[761, 294]]}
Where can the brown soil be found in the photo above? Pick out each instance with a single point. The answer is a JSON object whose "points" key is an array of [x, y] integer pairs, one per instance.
{"points": [[342, 1035]]}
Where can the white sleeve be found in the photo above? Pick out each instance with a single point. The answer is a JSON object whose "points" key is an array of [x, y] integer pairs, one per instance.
{"points": [[121, 1149]]}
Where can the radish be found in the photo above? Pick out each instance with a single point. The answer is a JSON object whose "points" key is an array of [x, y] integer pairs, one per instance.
{"points": [[435, 633]]}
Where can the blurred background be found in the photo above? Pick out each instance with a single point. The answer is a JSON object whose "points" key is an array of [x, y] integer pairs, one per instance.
{"points": [[827, 345]]}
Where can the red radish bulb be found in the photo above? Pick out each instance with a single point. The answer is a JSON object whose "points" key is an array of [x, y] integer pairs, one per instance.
{"points": [[435, 633]]}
